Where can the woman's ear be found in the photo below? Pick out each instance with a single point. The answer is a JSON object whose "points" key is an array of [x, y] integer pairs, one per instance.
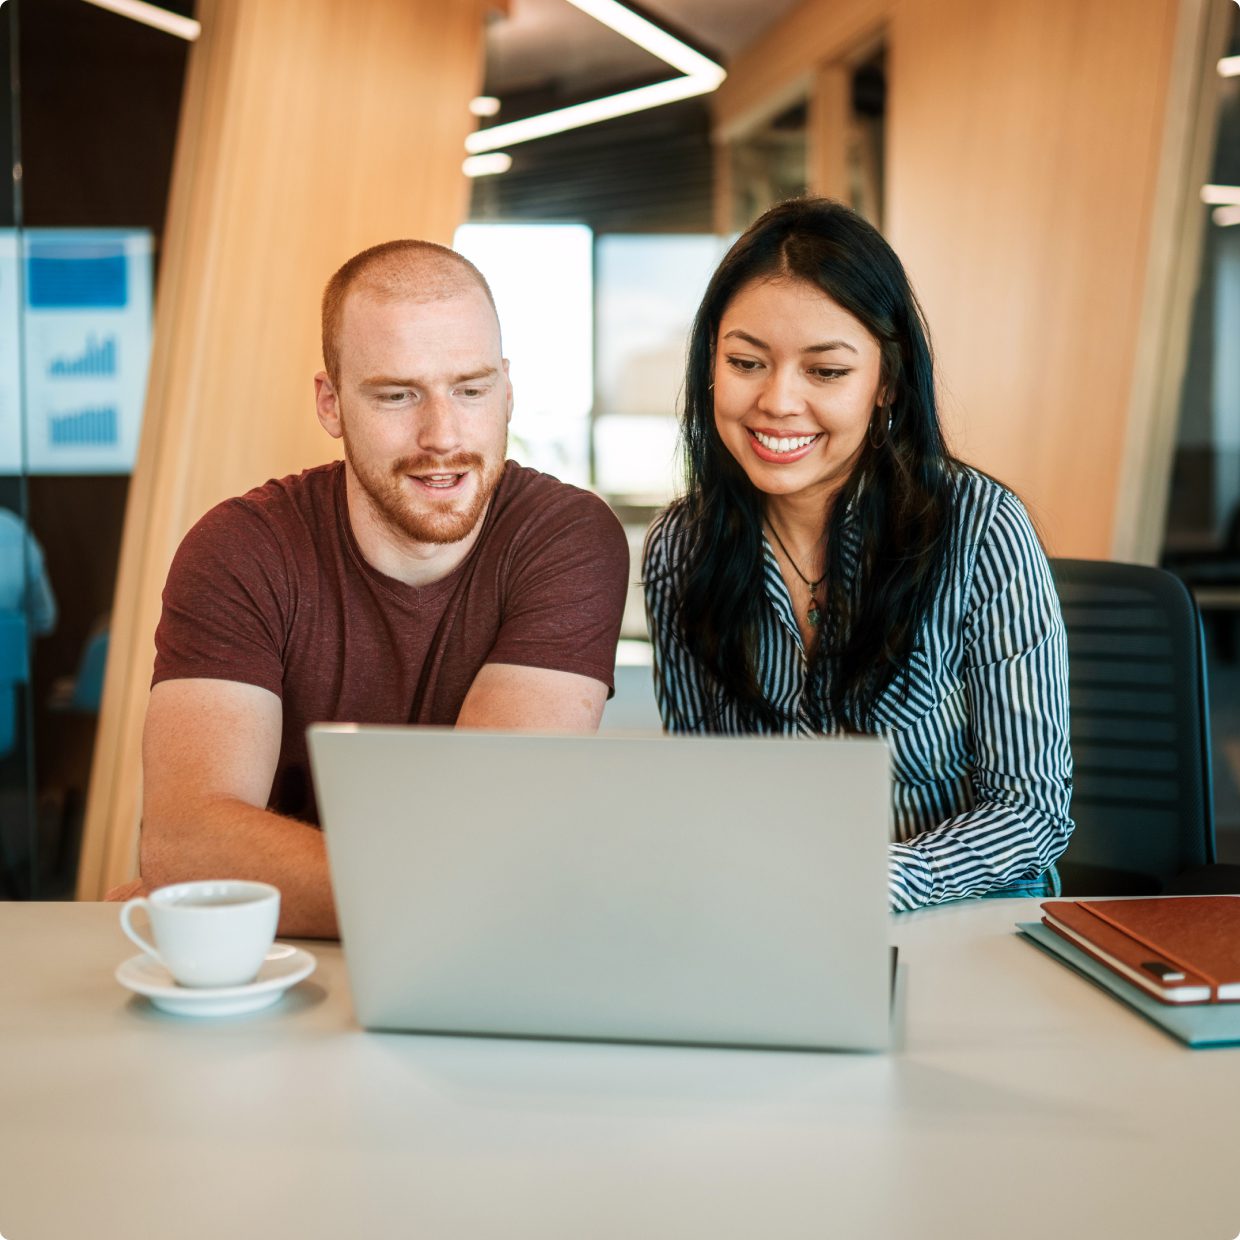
{"points": [[888, 377]]}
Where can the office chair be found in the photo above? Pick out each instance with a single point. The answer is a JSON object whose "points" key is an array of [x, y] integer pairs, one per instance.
{"points": [[1143, 795]]}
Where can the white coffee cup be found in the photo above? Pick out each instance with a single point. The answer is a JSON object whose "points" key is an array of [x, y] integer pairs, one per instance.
{"points": [[213, 933]]}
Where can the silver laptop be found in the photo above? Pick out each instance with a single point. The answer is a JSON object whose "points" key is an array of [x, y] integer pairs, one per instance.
{"points": [[713, 891]]}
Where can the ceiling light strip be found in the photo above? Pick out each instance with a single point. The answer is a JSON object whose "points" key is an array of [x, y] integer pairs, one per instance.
{"points": [[1220, 195], [1229, 66], [152, 15], [702, 76], [605, 109], [637, 29], [488, 165]]}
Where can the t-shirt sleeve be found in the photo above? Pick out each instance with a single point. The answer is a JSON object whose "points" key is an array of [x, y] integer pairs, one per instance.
{"points": [[225, 603], [565, 591]]}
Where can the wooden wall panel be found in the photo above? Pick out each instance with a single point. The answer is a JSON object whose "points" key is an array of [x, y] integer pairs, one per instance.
{"points": [[1024, 145], [309, 130], [1028, 144]]}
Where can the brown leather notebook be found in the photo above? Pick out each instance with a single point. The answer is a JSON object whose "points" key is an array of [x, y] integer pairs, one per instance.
{"points": [[1181, 949]]}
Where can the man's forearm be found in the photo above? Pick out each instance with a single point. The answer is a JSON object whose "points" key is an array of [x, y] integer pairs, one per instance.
{"points": [[230, 839]]}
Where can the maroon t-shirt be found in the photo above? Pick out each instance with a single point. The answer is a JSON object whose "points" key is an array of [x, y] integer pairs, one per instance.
{"points": [[271, 589]]}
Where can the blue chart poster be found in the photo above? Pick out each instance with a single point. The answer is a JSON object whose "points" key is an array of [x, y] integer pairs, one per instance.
{"points": [[86, 297]]}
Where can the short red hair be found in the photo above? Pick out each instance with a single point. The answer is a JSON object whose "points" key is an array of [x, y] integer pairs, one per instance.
{"points": [[394, 271]]}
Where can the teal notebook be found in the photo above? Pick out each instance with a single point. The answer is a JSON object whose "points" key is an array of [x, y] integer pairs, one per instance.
{"points": [[1197, 1024]]}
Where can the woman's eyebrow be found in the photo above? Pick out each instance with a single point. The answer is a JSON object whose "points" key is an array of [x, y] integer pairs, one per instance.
{"points": [[747, 338], [830, 344], [826, 347]]}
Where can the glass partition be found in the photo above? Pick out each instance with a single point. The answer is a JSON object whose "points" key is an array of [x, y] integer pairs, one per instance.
{"points": [[769, 164], [25, 606], [1202, 542], [772, 161], [92, 110]]}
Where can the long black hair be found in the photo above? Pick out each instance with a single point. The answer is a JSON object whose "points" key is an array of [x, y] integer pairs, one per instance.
{"points": [[896, 503]]}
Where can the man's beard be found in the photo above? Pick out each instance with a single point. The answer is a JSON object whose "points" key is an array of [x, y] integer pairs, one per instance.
{"points": [[436, 520]]}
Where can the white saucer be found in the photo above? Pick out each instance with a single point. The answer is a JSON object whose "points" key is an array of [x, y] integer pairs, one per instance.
{"points": [[285, 966]]}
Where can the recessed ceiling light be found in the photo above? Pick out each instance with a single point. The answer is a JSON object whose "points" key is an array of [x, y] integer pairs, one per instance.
{"points": [[152, 15], [701, 76], [488, 165]]}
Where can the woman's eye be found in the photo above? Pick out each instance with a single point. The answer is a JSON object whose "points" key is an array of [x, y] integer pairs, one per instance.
{"points": [[827, 372], [744, 364]]}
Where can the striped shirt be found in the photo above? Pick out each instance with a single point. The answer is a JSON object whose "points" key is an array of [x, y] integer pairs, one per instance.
{"points": [[978, 730]]}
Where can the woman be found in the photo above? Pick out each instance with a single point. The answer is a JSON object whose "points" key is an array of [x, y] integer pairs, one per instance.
{"points": [[833, 569]]}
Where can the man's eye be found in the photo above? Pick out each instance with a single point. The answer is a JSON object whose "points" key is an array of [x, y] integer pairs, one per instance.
{"points": [[471, 392]]}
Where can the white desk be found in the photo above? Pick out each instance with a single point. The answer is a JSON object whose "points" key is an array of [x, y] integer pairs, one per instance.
{"points": [[1025, 1103]]}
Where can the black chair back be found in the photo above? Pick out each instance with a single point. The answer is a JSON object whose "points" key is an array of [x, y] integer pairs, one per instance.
{"points": [[1143, 797]]}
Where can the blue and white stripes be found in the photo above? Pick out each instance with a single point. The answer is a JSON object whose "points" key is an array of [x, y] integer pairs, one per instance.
{"points": [[979, 730]]}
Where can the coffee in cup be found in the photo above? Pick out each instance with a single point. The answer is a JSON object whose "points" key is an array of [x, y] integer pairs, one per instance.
{"points": [[212, 933]]}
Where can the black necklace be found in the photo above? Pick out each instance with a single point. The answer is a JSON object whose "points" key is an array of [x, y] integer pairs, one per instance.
{"points": [[814, 615]]}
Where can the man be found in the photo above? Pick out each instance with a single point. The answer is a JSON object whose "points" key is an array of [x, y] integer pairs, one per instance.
{"points": [[423, 580]]}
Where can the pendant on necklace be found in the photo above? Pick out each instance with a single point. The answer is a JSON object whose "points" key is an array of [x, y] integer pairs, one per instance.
{"points": [[815, 616]]}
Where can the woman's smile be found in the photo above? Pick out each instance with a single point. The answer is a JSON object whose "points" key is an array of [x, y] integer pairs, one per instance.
{"points": [[780, 447]]}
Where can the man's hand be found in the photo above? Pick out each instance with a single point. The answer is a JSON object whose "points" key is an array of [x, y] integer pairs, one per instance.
{"points": [[127, 891], [209, 755]]}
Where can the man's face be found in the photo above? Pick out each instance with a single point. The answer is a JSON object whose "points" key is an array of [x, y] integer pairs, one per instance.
{"points": [[422, 404]]}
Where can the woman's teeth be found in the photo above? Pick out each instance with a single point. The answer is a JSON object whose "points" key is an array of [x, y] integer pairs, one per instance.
{"points": [[782, 445]]}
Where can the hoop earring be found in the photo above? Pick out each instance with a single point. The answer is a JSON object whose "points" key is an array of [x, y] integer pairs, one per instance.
{"points": [[878, 442]]}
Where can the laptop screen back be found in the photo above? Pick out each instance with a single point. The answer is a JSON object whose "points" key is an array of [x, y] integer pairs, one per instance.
{"points": [[703, 890]]}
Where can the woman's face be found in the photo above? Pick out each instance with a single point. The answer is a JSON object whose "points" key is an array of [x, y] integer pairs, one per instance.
{"points": [[796, 384]]}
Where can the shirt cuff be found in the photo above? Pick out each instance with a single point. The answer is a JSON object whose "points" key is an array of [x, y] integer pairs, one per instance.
{"points": [[910, 879]]}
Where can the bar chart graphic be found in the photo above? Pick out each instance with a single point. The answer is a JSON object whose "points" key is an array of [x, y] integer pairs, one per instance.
{"points": [[75, 342], [97, 360], [97, 427]]}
